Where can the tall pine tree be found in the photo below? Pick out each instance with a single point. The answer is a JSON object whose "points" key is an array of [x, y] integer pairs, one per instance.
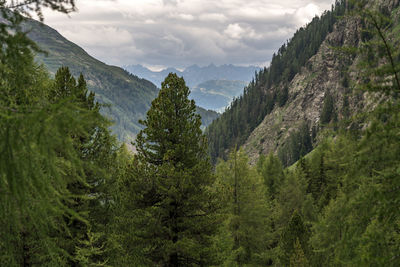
{"points": [[174, 208]]}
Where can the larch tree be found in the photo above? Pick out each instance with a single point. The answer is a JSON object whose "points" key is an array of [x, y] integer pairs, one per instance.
{"points": [[96, 148], [246, 211]]}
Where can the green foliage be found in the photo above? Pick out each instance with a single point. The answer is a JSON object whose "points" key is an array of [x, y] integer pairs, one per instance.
{"points": [[246, 212], [69, 196], [283, 96], [298, 258], [53, 157], [294, 240], [328, 109], [298, 144], [96, 148], [380, 66], [32, 184], [173, 209], [271, 170]]}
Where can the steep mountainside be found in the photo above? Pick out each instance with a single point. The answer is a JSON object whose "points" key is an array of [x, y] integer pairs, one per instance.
{"points": [[270, 86], [324, 76], [312, 90], [321, 94], [128, 95]]}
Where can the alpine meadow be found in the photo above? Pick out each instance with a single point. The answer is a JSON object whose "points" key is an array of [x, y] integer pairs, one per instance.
{"points": [[99, 167]]}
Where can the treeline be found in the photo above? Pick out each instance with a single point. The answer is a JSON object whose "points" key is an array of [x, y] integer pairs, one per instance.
{"points": [[269, 87]]}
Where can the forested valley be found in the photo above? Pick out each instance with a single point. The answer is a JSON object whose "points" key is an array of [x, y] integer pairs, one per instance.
{"points": [[71, 194]]}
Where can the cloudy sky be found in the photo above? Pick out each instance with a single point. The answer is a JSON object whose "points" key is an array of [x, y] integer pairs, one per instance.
{"points": [[179, 33]]}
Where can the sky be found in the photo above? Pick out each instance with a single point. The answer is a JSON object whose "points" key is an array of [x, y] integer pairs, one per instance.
{"points": [[180, 33]]}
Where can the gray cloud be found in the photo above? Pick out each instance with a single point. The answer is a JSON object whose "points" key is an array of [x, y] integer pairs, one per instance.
{"points": [[183, 32]]}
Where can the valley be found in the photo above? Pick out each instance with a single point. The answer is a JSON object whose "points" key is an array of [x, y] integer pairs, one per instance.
{"points": [[103, 165], [126, 96], [212, 87]]}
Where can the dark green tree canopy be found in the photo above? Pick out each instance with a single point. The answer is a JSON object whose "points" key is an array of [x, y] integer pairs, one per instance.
{"points": [[172, 132], [174, 206]]}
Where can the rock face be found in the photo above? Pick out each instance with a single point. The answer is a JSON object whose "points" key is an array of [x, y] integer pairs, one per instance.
{"points": [[324, 72], [330, 70]]}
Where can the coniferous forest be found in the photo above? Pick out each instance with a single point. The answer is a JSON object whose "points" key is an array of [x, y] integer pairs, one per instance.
{"points": [[72, 195]]}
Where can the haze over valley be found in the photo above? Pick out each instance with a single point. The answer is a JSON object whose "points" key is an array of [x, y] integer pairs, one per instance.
{"points": [[212, 87]]}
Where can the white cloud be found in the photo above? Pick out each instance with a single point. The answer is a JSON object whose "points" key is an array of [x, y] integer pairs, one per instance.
{"points": [[99, 36], [183, 32], [305, 14], [187, 17], [234, 31]]}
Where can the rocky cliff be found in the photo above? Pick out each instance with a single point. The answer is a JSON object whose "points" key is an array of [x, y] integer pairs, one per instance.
{"points": [[331, 71]]}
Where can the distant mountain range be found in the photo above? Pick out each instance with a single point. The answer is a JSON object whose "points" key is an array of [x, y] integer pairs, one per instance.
{"points": [[195, 75], [128, 95], [217, 94], [213, 87]]}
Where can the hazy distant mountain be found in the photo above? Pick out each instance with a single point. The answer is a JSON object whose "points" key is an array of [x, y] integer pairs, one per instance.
{"points": [[195, 75], [213, 87], [216, 94]]}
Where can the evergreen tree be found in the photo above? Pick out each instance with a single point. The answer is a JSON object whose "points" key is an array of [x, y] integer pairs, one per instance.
{"points": [[246, 211], [295, 232], [38, 152], [96, 148], [271, 170], [328, 109], [298, 258], [175, 213], [283, 95]]}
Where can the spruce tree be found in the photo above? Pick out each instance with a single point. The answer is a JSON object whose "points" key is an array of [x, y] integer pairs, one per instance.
{"points": [[174, 208], [328, 109]]}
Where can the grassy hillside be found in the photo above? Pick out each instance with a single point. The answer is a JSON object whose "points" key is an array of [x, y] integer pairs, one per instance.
{"points": [[128, 96]]}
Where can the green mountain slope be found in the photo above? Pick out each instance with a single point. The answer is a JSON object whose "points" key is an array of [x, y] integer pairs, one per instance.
{"points": [[128, 95]]}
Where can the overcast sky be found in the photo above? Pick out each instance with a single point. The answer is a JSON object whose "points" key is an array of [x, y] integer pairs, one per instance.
{"points": [[179, 33]]}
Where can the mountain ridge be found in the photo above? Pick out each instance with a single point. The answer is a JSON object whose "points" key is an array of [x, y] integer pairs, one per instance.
{"points": [[129, 96], [289, 103], [195, 74], [270, 87]]}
